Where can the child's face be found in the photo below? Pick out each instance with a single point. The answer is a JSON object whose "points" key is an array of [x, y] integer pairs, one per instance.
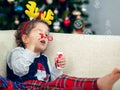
{"points": [[35, 39]]}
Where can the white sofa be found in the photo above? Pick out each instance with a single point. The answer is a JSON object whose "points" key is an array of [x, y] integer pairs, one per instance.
{"points": [[86, 55]]}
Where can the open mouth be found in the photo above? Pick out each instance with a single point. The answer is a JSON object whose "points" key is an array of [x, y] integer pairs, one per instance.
{"points": [[43, 41]]}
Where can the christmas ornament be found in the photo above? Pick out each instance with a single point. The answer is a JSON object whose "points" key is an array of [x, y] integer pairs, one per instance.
{"points": [[18, 8], [78, 24], [56, 26], [56, 23], [83, 8], [77, 31], [56, 11], [76, 13], [49, 1], [66, 22], [79, 17], [10, 1], [16, 21]]}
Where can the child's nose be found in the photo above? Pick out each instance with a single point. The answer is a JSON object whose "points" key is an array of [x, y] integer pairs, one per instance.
{"points": [[42, 35], [50, 38]]}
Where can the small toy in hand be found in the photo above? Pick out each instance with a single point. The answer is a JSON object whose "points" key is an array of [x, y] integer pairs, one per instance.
{"points": [[50, 38], [59, 55]]}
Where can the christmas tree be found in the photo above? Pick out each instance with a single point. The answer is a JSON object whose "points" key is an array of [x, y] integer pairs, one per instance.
{"points": [[70, 16]]}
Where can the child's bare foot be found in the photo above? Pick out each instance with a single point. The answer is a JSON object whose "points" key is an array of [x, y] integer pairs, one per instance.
{"points": [[106, 82]]}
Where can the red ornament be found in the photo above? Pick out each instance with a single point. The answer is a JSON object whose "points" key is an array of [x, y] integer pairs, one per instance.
{"points": [[62, 0], [79, 31], [66, 22], [40, 13]]}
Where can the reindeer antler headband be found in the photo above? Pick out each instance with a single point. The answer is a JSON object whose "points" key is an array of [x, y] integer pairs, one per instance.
{"points": [[33, 12]]}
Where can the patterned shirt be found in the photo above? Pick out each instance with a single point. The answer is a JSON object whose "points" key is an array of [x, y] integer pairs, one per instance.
{"points": [[23, 64]]}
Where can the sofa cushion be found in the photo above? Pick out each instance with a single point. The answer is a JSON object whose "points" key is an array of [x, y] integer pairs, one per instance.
{"points": [[7, 42]]}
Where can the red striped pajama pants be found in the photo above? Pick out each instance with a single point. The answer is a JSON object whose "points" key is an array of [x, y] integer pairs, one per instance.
{"points": [[63, 82]]}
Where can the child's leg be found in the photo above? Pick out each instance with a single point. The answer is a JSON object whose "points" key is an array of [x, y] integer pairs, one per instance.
{"points": [[64, 82], [76, 83], [103, 83], [106, 82]]}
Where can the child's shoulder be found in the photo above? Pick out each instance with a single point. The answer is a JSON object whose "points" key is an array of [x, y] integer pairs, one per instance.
{"points": [[17, 49]]}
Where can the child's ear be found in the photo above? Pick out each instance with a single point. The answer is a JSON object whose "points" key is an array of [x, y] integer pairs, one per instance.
{"points": [[25, 39]]}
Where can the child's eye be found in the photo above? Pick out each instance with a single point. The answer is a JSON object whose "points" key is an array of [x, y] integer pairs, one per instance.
{"points": [[46, 34]]}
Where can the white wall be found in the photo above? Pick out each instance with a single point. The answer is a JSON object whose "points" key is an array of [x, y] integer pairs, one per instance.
{"points": [[105, 16]]}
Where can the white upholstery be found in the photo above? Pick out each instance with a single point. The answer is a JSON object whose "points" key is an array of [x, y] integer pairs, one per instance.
{"points": [[86, 55]]}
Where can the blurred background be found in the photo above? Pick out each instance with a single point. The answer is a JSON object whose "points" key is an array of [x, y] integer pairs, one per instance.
{"points": [[99, 17]]}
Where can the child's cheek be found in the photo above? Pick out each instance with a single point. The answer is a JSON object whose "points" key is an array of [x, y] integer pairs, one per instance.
{"points": [[47, 42]]}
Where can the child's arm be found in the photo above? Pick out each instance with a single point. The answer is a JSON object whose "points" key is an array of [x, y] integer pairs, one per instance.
{"points": [[19, 60], [54, 71], [57, 70]]}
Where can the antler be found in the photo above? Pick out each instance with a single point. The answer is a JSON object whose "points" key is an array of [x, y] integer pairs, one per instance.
{"points": [[32, 11], [47, 16]]}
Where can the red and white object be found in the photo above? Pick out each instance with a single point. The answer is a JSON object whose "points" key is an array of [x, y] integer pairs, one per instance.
{"points": [[42, 35], [50, 38], [59, 55]]}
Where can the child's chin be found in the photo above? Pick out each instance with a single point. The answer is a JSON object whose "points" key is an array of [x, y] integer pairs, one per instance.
{"points": [[43, 49]]}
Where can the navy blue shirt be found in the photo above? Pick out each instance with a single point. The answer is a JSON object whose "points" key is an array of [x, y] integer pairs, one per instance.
{"points": [[39, 63]]}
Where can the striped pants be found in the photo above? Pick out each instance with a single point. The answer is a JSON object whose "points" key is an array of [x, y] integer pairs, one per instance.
{"points": [[63, 82]]}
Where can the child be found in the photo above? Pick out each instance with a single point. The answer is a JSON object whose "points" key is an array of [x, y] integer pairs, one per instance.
{"points": [[27, 64]]}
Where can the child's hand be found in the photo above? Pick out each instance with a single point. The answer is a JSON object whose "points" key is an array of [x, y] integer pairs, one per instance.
{"points": [[60, 61]]}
